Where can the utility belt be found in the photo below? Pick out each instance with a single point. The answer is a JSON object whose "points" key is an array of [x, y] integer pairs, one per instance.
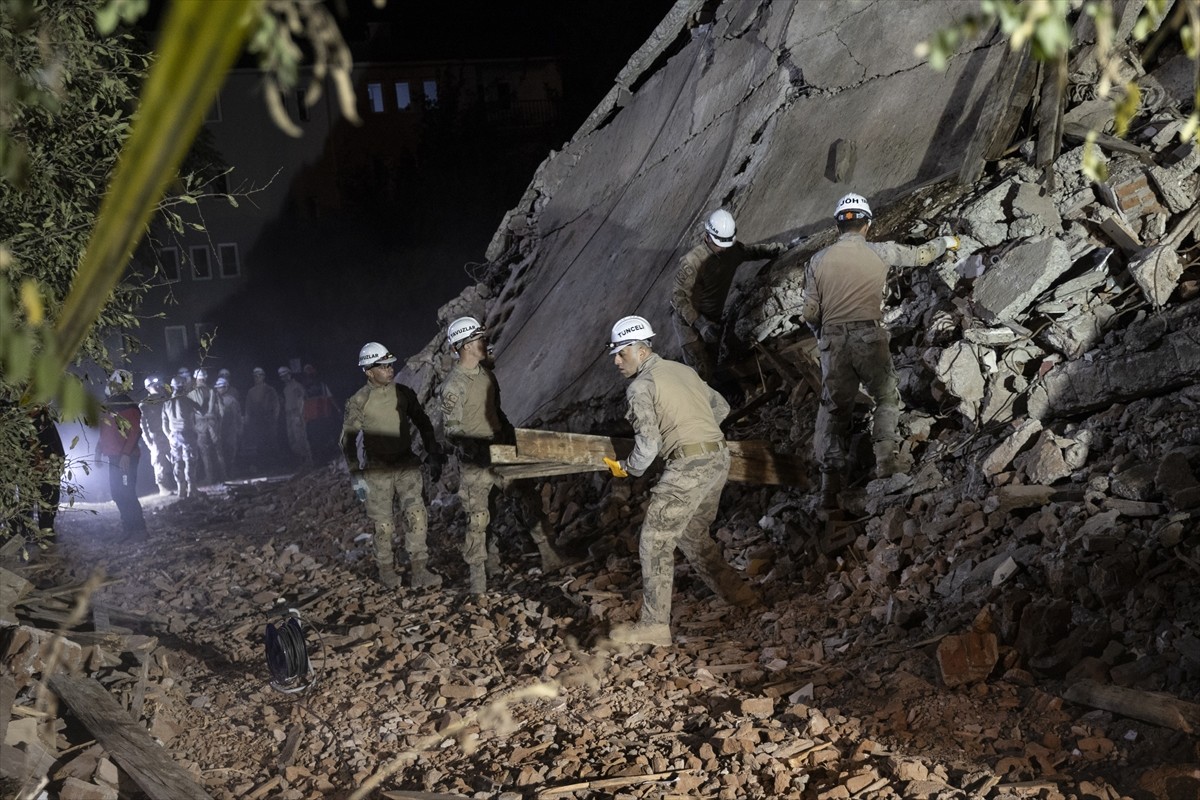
{"points": [[850, 326], [697, 449]]}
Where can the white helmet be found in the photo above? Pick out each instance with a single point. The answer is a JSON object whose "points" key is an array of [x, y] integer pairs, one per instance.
{"points": [[721, 228], [179, 383], [627, 331], [373, 353], [152, 383], [200, 374], [221, 383], [463, 330], [852, 207], [120, 381]]}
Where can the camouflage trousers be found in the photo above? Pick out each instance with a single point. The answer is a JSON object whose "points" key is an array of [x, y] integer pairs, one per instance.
{"points": [[160, 459], [208, 438], [183, 457], [697, 354], [475, 490], [682, 508], [854, 354], [384, 485]]}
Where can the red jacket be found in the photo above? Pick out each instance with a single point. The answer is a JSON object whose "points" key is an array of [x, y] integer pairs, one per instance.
{"points": [[113, 441]]}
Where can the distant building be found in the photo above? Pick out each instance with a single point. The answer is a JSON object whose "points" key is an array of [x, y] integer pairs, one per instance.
{"points": [[330, 169]]}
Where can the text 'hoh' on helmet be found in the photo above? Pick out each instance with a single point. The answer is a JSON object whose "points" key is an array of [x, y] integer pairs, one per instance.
{"points": [[373, 353], [627, 331], [463, 330], [852, 207], [721, 228]]}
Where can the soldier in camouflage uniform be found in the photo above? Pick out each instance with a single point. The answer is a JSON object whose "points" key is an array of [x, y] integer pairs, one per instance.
{"points": [[208, 427], [842, 302], [702, 286], [379, 414], [179, 415], [156, 438], [473, 421], [676, 414]]}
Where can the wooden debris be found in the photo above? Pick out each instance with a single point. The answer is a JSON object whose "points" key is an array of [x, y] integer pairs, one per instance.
{"points": [[607, 783], [539, 453], [125, 740], [1152, 707]]}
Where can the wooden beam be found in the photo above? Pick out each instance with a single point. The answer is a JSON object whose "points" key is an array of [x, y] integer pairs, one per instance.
{"points": [[129, 744], [751, 461], [1153, 707], [543, 469]]}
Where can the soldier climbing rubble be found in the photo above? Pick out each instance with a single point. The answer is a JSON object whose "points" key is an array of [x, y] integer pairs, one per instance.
{"points": [[842, 303], [702, 285], [473, 421], [379, 415], [675, 413]]}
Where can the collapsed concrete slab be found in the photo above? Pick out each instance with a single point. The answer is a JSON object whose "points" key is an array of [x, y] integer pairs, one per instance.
{"points": [[1173, 362], [1157, 271], [1005, 290]]}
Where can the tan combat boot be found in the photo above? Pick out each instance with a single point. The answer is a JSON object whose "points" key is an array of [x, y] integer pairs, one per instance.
{"points": [[388, 576], [642, 633], [422, 578], [478, 579]]}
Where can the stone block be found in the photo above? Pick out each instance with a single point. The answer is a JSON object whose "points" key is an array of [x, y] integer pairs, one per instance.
{"points": [[967, 657], [1157, 271], [1178, 183], [1010, 498], [958, 368], [1135, 483], [1006, 290], [1044, 463], [999, 459], [1176, 481], [986, 220]]}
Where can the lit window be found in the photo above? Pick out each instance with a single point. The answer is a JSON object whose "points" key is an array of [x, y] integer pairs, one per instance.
{"points": [[176, 341], [301, 105], [201, 263], [403, 95], [375, 97], [227, 256], [168, 261], [430, 88]]}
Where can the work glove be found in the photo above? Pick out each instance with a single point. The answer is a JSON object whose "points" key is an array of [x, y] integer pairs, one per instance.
{"points": [[793, 242], [951, 242], [615, 468], [359, 484], [709, 331]]}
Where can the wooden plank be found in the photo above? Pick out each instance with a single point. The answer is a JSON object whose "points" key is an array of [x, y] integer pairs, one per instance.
{"points": [[1153, 707], [507, 454], [750, 461], [129, 744], [542, 469]]}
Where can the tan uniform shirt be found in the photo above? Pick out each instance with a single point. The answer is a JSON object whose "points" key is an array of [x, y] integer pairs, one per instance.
{"points": [[670, 406], [845, 281], [704, 277], [383, 415], [471, 405]]}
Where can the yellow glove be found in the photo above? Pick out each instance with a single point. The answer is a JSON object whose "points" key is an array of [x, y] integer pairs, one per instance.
{"points": [[614, 467]]}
